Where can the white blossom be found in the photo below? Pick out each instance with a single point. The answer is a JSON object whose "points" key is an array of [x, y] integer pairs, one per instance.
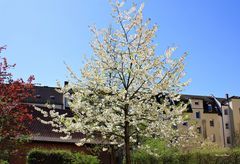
{"points": [[125, 85], [104, 149]]}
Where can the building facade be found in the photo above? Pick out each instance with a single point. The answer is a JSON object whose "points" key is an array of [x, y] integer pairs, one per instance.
{"points": [[217, 119]]}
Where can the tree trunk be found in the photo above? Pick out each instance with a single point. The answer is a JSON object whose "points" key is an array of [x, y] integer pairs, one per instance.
{"points": [[126, 139], [127, 144], [113, 155]]}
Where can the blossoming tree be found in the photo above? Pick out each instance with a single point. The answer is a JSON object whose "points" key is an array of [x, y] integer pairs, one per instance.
{"points": [[126, 91], [14, 115]]}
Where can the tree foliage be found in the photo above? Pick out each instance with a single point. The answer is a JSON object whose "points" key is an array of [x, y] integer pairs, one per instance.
{"points": [[126, 91], [14, 114]]}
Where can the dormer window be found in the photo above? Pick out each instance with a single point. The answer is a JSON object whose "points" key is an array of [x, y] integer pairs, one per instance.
{"points": [[52, 97], [209, 107], [38, 96], [65, 101]]}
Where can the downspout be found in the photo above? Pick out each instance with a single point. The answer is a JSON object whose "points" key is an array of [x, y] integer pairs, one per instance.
{"points": [[231, 121], [220, 109]]}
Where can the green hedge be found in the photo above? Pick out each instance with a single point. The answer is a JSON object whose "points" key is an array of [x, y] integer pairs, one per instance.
{"points": [[141, 157], [37, 156], [3, 162], [85, 159], [215, 157]]}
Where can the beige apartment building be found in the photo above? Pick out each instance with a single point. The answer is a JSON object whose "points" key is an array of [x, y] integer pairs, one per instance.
{"points": [[217, 119]]}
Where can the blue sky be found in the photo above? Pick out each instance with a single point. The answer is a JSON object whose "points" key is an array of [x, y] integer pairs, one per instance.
{"points": [[43, 34]]}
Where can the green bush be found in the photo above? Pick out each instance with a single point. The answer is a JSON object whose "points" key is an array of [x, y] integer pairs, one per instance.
{"points": [[59, 157], [215, 157], [141, 157], [230, 156], [3, 162], [53, 157], [4, 155], [85, 159], [160, 153]]}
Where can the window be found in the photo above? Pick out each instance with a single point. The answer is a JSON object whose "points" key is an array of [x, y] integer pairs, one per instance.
{"points": [[199, 129], [38, 96], [185, 123], [227, 126], [213, 138], [226, 112], [228, 140], [52, 97], [198, 115], [66, 102], [211, 122], [209, 107], [174, 127], [196, 103]]}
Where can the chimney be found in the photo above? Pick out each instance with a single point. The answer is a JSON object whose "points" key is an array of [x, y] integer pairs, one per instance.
{"points": [[65, 83], [227, 96]]}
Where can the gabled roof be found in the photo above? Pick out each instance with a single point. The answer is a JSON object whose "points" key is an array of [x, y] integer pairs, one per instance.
{"points": [[43, 132], [235, 97], [208, 99], [43, 94]]}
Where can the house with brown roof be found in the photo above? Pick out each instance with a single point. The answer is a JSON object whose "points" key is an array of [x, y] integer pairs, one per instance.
{"points": [[42, 135], [217, 119]]}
